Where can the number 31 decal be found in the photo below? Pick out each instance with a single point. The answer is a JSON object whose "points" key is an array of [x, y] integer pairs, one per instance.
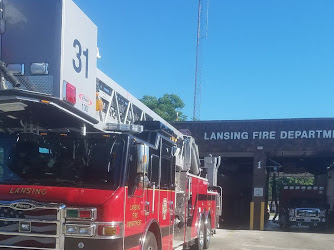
{"points": [[77, 63]]}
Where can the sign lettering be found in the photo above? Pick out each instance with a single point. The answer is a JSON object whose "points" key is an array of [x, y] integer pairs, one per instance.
{"points": [[34, 191], [270, 135], [133, 223]]}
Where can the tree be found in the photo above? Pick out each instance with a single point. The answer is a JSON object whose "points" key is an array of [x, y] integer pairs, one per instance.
{"points": [[168, 106]]}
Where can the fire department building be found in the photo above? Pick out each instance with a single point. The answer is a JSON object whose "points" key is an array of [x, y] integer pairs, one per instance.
{"points": [[251, 149]]}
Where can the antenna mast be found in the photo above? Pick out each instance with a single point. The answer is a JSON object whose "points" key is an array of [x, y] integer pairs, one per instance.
{"points": [[203, 14]]}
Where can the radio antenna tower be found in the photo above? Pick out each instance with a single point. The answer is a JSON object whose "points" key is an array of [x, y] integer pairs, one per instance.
{"points": [[202, 28]]}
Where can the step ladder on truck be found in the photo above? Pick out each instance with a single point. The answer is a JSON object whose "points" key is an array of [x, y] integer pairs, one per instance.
{"points": [[83, 163]]}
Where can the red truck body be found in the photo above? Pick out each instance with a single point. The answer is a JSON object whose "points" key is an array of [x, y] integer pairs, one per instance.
{"points": [[42, 216]]}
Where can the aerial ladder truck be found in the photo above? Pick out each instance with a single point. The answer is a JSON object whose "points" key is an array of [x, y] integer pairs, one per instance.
{"points": [[83, 163]]}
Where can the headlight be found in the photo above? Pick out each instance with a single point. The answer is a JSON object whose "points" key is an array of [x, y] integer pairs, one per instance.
{"points": [[291, 212], [80, 230], [322, 213], [39, 68]]}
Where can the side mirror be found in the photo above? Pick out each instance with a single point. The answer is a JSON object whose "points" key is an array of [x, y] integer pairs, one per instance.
{"points": [[142, 158], [141, 181]]}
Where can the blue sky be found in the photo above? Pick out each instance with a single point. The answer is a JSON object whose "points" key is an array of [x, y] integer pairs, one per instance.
{"points": [[261, 60]]}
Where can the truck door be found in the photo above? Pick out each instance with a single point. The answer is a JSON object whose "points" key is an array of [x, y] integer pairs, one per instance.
{"points": [[152, 193], [166, 196], [136, 208], [158, 193]]}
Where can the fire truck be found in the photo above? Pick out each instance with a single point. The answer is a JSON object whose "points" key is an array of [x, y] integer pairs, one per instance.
{"points": [[83, 163]]}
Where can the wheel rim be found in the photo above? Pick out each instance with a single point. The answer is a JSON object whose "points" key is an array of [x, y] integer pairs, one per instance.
{"points": [[208, 233], [201, 236]]}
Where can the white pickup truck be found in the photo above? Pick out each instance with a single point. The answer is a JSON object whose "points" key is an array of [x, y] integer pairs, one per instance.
{"points": [[302, 205]]}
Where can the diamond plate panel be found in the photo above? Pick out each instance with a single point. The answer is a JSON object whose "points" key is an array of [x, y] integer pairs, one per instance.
{"points": [[40, 84]]}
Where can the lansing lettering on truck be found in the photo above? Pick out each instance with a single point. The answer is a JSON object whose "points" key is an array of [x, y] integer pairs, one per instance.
{"points": [[27, 191]]}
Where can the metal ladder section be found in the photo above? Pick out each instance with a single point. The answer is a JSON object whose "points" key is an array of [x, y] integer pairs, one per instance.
{"points": [[119, 106]]}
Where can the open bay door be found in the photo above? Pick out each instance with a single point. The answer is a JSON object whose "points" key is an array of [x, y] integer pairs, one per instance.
{"points": [[50, 47]]}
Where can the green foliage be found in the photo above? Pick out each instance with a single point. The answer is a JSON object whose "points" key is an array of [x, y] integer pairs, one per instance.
{"points": [[296, 181], [166, 106]]}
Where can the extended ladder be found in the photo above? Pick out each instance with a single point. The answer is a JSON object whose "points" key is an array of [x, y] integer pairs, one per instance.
{"points": [[119, 106]]}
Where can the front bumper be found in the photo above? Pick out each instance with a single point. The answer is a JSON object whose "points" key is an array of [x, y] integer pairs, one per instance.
{"points": [[307, 220], [92, 244], [31, 225], [25, 224]]}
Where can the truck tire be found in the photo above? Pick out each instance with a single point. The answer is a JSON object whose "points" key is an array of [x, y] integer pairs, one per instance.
{"points": [[285, 227], [199, 242], [150, 242], [207, 234]]}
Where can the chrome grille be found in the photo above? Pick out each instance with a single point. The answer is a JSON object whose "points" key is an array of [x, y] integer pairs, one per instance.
{"points": [[39, 214], [24, 242], [44, 221], [308, 213], [36, 227]]}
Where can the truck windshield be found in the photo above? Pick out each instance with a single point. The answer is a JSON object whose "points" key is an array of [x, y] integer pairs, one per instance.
{"points": [[62, 160], [307, 203]]}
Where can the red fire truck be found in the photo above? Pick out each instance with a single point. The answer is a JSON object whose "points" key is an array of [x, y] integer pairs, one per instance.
{"points": [[83, 164]]}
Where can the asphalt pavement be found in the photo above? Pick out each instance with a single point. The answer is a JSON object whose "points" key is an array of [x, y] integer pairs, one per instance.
{"points": [[297, 238]]}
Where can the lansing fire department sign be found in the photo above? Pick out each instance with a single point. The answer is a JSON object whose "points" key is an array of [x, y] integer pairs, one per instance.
{"points": [[270, 135]]}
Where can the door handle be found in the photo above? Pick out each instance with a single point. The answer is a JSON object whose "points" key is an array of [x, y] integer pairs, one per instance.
{"points": [[147, 208], [153, 199], [171, 206]]}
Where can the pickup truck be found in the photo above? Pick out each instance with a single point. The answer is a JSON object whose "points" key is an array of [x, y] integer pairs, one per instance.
{"points": [[303, 206]]}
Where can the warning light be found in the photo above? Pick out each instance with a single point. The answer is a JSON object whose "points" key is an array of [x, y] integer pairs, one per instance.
{"points": [[39, 68], [81, 213], [144, 158], [85, 214], [71, 93], [72, 213], [111, 230], [99, 105]]}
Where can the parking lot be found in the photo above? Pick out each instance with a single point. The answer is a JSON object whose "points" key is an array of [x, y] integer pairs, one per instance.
{"points": [[297, 238]]}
